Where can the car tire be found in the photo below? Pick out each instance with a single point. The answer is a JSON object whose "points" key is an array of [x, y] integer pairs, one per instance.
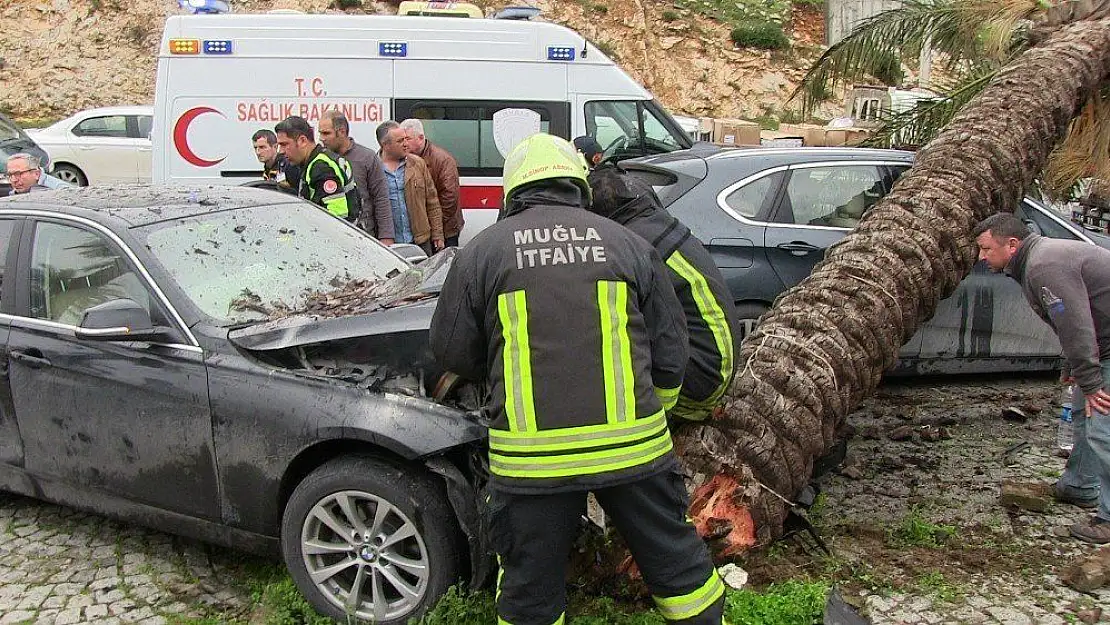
{"points": [[747, 317], [408, 553], [71, 174]]}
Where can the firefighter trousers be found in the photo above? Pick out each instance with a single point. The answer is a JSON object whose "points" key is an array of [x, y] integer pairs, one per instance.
{"points": [[533, 536]]}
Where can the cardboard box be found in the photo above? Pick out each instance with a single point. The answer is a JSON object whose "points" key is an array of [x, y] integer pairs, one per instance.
{"points": [[855, 136], [735, 132], [836, 137]]}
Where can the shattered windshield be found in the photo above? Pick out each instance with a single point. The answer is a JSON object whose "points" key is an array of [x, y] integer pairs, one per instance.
{"points": [[241, 265]]}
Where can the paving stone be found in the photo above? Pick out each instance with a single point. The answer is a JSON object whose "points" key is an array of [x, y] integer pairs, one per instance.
{"points": [[16, 616], [94, 612], [1009, 616], [69, 616]]}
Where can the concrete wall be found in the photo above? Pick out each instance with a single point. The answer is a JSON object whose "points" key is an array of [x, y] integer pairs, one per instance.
{"points": [[841, 16]]}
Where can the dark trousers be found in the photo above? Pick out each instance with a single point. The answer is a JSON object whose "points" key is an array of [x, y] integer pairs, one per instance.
{"points": [[533, 535]]}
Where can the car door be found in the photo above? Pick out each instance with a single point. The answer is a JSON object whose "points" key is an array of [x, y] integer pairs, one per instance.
{"points": [[11, 444], [819, 204], [106, 149], [141, 125], [129, 419]]}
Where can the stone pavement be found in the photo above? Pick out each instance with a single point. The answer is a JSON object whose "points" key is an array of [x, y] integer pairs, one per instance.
{"points": [[59, 566]]}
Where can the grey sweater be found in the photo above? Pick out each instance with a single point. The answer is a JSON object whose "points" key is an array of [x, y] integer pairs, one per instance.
{"points": [[1068, 284], [377, 213]]}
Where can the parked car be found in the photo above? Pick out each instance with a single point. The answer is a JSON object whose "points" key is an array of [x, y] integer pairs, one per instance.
{"points": [[157, 370], [767, 215], [14, 140], [100, 146]]}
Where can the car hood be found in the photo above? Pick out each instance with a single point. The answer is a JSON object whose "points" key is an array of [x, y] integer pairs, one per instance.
{"points": [[302, 330]]}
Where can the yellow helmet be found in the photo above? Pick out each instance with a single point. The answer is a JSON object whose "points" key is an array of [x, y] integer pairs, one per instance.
{"points": [[543, 157]]}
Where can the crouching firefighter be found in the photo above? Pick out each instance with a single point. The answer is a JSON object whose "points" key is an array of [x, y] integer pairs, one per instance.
{"points": [[325, 178], [577, 327], [710, 312]]}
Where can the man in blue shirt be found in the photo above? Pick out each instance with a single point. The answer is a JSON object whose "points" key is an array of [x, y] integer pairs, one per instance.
{"points": [[417, 217], [25, 174]]}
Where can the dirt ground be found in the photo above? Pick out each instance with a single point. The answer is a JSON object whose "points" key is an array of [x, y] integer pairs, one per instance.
{"points": [[914, 525]]}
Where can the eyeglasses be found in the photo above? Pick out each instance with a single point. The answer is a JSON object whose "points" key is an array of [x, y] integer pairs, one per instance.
{"points": [[13, 174]]}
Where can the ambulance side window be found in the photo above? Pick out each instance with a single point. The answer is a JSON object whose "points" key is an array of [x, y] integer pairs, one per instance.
{"points": [[465, 128]]}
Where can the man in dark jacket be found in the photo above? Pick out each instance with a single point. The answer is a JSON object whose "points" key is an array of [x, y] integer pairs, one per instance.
{"points": [[326, 178], [710, 312], [373, 191], [573, 321], [1068, 284]]}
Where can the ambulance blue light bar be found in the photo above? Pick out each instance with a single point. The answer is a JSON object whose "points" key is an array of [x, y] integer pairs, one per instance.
{"points": [[217, 46], [393, 48], [560, 53]]}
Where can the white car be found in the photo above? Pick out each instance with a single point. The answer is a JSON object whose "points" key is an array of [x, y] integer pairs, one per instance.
{"points": [[100, 146]]}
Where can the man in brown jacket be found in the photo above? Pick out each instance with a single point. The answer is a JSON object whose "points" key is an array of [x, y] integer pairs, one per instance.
{"points": [[412, 192], [445, 172]]}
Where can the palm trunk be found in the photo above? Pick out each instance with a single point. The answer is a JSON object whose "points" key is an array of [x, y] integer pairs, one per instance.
{"points": [[827, 341]]}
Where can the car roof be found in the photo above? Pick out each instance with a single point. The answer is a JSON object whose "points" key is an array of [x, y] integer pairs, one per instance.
{"points": [[142, 204], [714, 154], [137, 109]]}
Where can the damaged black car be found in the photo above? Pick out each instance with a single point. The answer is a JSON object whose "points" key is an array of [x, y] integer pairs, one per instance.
{"points": [[238, 366]]}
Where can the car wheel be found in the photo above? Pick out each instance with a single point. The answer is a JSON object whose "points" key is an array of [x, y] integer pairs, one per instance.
{"points": [[365, 539], [747, 316], [70, 174]]}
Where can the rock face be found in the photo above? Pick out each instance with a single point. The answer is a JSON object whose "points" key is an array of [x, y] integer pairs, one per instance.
{"points": [[61, 56]]}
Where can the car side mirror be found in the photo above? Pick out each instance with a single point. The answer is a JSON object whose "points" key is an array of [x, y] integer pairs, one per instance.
{"points": [[412, 253], [120, 320]]}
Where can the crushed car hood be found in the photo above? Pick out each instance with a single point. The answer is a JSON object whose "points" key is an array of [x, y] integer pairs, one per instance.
{"points": [[301, 330]]}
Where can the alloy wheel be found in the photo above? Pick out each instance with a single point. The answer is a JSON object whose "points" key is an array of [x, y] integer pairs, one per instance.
{"points": [[365, 555]]}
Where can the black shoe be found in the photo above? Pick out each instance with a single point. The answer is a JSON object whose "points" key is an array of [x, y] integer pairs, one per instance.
{"points": [[1079, 502]]}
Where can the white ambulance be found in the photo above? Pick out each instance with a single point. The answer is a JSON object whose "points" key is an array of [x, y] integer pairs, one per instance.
{"points": [[478, 84]]}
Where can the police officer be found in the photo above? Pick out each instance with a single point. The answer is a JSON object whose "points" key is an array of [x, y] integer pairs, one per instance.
{"points": [[710, 312], [579, 331], [325, 179]]}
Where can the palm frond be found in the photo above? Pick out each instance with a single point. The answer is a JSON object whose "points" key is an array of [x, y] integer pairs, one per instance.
{"points": [[1085, 150], [959, 30], [918, 125]]}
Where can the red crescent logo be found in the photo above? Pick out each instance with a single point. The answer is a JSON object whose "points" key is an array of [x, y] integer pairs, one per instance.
{"points": [[181, 138]]}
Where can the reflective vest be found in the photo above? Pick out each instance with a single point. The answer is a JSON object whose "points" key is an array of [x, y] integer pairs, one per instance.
{"points": [[344, 202]]}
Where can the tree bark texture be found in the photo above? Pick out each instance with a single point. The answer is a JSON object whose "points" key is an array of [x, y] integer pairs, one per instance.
{"points": [[825, 344]]}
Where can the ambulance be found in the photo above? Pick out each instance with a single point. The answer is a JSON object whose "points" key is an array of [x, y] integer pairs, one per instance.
{"points": [[480, 85]]}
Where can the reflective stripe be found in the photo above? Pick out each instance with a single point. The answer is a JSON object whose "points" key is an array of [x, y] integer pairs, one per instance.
{"points": [[583, 463], [713, 316], [616, 352], [691, 604], [667, 396], [559, 621], [519, 404], [571, 439]]}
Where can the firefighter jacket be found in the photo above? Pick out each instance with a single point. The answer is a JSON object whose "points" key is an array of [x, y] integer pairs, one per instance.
{"points": [[578, 329], [706, 300], [328, 182]]}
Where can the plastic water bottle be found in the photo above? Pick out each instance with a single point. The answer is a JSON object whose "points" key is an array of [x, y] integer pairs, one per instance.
{"points": [[1064, 438]]}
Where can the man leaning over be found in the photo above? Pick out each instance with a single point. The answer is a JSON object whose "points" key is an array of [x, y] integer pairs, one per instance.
{"points": [[1068, 284]]}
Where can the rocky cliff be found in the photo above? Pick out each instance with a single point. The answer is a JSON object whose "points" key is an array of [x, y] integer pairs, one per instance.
{"points": [[61, 56]]}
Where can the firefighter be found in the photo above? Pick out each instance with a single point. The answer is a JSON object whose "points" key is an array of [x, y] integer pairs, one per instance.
{"points": [[573, 321], [710, 312], [326, 178]]}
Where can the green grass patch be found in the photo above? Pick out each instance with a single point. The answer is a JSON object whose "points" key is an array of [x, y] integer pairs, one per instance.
{"points": [[764, 35], [788, 603], [916, 531], [935, 583], [670, 16]]}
